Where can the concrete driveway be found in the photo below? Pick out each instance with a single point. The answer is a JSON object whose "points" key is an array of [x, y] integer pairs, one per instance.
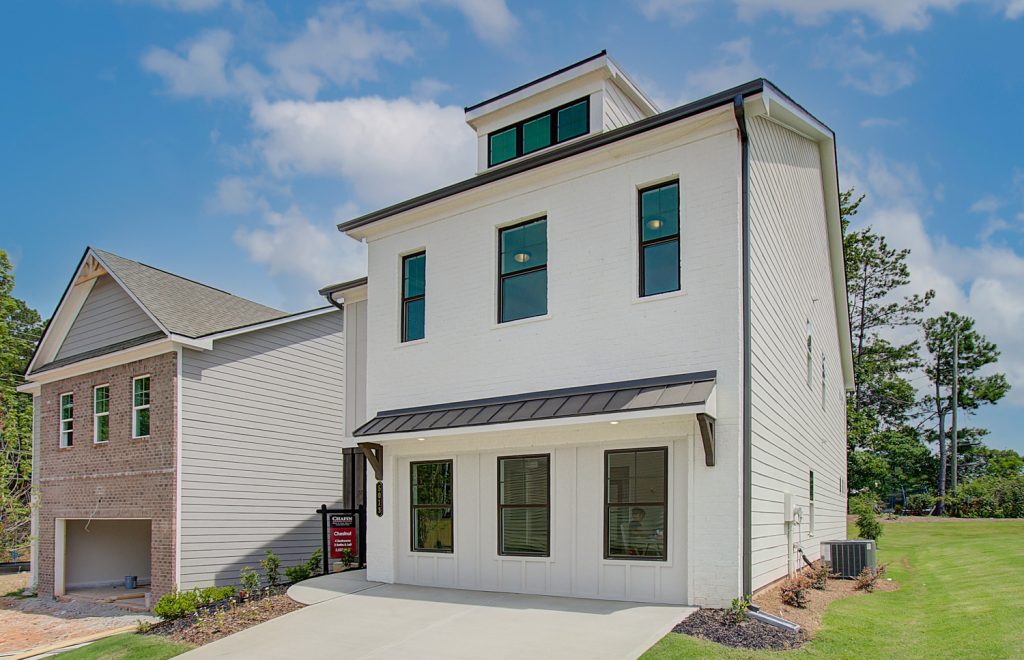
{"points": [[352, 618]]}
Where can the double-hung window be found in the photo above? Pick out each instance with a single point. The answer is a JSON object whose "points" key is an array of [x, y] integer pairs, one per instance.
{"points": [[636, 503], [414, 293], [433, 528], [552, 127], [101, 413], [659, 238], [140, 407], [524, 508], [523, 270], [67, 419]]}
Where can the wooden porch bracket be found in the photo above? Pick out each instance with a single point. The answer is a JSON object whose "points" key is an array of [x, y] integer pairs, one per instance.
{"points": [[707, 434], [375, 457]]}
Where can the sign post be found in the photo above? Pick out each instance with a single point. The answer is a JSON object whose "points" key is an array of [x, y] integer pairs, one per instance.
{"points": [[344, 535]]}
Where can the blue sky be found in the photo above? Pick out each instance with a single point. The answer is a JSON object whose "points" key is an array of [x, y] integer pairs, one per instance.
{"points": [[223, 139]]}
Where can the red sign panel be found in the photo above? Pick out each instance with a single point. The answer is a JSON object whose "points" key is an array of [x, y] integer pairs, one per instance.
{"points": [[343, 535]]}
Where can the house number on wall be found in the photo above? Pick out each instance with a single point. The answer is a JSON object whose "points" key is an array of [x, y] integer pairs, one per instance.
{"points": [[380, 499]]}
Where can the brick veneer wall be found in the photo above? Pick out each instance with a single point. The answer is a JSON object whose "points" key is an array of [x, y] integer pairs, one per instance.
{"points": [[122, 478]]}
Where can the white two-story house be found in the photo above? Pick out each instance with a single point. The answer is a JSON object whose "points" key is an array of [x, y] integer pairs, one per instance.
{"points": [[603, 366]]}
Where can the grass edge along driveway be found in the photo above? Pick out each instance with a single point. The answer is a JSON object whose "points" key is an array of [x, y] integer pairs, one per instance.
{"points": [[960, 584], [128, 646]]}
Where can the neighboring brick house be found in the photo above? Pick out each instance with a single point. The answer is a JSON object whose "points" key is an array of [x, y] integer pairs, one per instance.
{"points": [[613, 363], [180, 431]]}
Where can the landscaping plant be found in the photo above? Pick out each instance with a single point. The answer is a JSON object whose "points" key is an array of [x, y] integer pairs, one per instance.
{"points": [[176, 604], [869, 577], [919, 504], [794, 591], [297, 573], [739, 608], [271, 568], [819, 575], [250, 580], [868, 526]]}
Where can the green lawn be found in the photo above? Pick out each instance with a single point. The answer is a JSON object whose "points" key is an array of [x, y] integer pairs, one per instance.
{"points": [[128, 646], [960, 584]]}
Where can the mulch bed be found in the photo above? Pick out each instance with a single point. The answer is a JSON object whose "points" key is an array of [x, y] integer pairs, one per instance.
{"points": [[719, 626], [231, 617]]}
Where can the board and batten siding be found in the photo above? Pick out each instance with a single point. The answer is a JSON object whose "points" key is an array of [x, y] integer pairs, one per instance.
{"points": [[261, 431], [108, 316], [619, 109], [794, 430]]}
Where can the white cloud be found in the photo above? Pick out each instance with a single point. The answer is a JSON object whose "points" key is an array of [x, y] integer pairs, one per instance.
{"points": [[679, 11], [872, 72], [387, 149], [336, 46], [984, 281], [733, 65], [201, 69], [290, 244], [491, 20], [236, 195], [426, 89], [881, 122], [987, 204], [1015, 9], [183, 5]]}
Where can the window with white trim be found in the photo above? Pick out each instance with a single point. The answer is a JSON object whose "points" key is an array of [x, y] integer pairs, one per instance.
{"points": [[140, 407], [67, 419], [810, 503], [101, 413], [810, 358], [824, 388]]}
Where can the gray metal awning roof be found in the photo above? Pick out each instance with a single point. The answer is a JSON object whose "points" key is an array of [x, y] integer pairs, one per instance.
{"points": [[624, 396]]}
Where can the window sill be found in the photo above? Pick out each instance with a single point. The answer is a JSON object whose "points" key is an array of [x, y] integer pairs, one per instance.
{"points": [[66, 447], [637, 562], [414, 342], [140, 437], [100, 442], [518, 322], [659, 296]]}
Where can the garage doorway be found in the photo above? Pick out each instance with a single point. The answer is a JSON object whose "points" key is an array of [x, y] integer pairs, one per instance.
{"points": [[93, 557]]}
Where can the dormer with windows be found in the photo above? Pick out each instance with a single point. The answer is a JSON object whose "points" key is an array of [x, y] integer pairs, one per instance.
{"points": [[589, 97]]}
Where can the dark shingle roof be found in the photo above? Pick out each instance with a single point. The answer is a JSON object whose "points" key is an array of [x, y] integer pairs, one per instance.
{"points": [[624, 396], [181, 305]]}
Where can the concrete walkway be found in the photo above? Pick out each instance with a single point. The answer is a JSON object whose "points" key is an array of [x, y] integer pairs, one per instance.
{"points": [[352, 618]]}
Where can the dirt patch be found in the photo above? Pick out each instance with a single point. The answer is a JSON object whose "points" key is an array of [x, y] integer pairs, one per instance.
{"points": [[225, 620], [12, 582], [809, 618], [719, 626], [27, 623]]}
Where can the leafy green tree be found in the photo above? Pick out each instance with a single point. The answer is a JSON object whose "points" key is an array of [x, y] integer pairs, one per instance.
{"points": [[975, 390], [20, 328], [1003, 463]]}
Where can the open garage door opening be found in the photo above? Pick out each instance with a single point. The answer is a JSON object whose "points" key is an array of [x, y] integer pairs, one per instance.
{"points": [[105, 561]]}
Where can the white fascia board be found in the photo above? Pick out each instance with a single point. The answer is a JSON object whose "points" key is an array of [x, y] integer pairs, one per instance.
{"points": [[630, 88], [601, 418], [156, 347], [351, 296], [206, 341], [200, 344], [64, 316]]}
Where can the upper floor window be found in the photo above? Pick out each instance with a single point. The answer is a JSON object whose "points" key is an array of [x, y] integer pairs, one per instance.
{"points": [[524, 510], [523, 270], [563, 123], [414, 291], [636, 503], [430, 491], [810, 358], [824, 387], [810, 500], [101, 413], [67, 419], [140, 407], [659, 239]]}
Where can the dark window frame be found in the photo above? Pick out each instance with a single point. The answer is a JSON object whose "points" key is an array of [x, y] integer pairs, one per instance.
{"points": [[607, 506], [413, 506], [526, 271], [642, 244], [518, 126], [501, 507], [409, 299]]}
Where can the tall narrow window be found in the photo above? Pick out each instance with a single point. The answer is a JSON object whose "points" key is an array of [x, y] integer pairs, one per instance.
{"points": [[101, 413], [824, 389], [524, 512], [810, 504], [523, 271], [414, 291], [140, 407], [67, 420], [659, 239], [636, 503], [810, 359], [433, 527]]}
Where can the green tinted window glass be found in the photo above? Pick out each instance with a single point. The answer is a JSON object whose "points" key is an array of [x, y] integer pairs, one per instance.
{"points": [[503, 146], [433, 528], [537, 134], [101, 397], [415, 276], [661, 267], [660, 212], [102, 428], [524, 295], [141, 395], [415, 320], [524, 247], [572, 121], [142, 422]]}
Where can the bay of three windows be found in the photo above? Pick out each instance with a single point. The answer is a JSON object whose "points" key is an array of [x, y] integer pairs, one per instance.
{"points": [[552, 127], [523, 263], [101, 412]]}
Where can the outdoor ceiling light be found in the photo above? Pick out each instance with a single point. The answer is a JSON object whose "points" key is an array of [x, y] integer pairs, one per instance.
{"points": [[613, 423], [655, 223], [521, 257]]}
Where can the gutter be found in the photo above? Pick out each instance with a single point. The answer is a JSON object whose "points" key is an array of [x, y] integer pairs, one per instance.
{"points": [[741, 123]]}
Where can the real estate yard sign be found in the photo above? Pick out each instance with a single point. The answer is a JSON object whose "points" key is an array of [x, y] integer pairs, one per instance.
{"points": [[343, 533]]}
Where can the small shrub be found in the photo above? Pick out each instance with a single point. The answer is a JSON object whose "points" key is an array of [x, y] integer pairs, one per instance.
{"points": [[210, 595], [919, 504], [250, 580], [347, 557], [297, 573], [794, 592], [868, 578], [818, 575], [176, 605], [143, 627], [739, 608], [271, 565], [315, 562], [868, 526]]}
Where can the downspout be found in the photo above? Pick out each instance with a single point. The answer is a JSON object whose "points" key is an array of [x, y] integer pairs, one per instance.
{"points": [[741, 123], [335, 303]]}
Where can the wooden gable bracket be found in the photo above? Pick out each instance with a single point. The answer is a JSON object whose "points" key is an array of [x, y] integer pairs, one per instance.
{"points": [[375, 457], [707, 434]]}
